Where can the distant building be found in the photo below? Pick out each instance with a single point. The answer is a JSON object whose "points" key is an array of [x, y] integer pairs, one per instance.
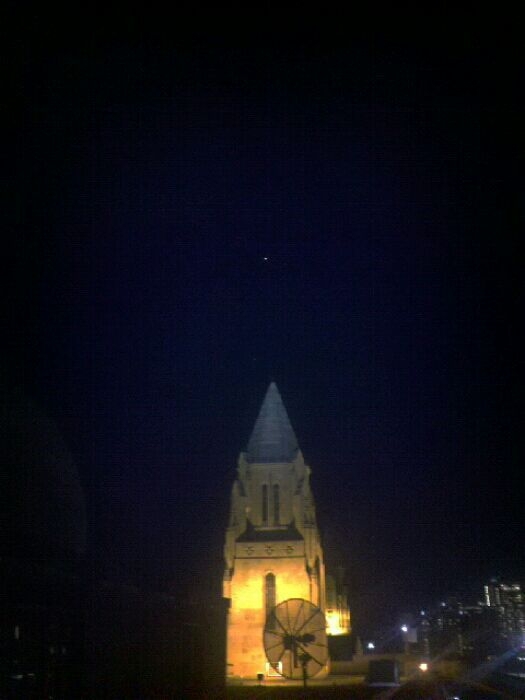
{"points": [[448, 628], [508, 602], [273, 549], [466, 629], [337, 610]]}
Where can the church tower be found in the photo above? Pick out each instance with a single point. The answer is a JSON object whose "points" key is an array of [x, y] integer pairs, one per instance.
{"points": [[273, 550]]}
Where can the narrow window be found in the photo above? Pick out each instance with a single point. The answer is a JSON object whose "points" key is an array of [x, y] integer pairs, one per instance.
{"points": [[269, 599], [276, 516], [265, 504]]}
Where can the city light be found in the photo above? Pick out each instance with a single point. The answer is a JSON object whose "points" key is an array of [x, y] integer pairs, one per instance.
{"points": [[370, 645], [404, 628], [334, 627], [423, 666]]}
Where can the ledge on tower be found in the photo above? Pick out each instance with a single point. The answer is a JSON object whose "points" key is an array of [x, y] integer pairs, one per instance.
{"points": [[277, 534]]}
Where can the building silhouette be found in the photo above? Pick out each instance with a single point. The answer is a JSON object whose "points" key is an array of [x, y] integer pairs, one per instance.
{"points": [[42, 550], [507, 600], [273, 550], [66, 629]]}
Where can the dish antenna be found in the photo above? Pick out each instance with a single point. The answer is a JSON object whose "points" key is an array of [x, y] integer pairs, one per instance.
{"points": [[295, 639]]}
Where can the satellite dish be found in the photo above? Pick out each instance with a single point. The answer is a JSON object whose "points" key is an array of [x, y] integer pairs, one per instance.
{"points": [[295, 639]]}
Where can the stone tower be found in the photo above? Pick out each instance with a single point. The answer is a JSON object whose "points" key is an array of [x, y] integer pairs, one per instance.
{"points": [[273, 550]]}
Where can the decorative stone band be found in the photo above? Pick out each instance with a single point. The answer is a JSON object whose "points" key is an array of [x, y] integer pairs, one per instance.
{"points": [[269, 550]]}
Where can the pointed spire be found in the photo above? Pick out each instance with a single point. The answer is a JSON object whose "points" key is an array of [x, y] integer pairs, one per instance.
{"points": [[273, 438]]}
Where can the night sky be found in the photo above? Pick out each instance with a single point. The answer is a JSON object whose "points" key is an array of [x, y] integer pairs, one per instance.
{"points": [[191, 217]]}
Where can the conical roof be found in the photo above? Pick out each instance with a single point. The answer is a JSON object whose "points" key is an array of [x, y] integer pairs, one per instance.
{"points": [[273, 438]]}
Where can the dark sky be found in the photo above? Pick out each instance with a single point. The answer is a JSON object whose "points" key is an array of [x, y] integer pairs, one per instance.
{"points": [[150, 172]]}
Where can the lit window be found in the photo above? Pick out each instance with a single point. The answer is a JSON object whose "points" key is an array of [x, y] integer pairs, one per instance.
{"points": [[276, 672]]}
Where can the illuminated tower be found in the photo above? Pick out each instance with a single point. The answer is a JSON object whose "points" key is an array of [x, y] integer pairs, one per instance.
{"points": [[273, 551]]}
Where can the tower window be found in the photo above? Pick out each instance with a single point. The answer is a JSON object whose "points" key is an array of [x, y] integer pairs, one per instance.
{"points": [[265, 504], [269, 597], [276, 505]]}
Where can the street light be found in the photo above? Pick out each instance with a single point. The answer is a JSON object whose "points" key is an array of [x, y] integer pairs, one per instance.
{"points": [[404, 629], [370, 645]]}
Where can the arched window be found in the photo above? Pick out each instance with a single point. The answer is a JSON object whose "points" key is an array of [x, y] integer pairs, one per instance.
{"points": [[276, 505], [264, 509], [269, 597]]}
